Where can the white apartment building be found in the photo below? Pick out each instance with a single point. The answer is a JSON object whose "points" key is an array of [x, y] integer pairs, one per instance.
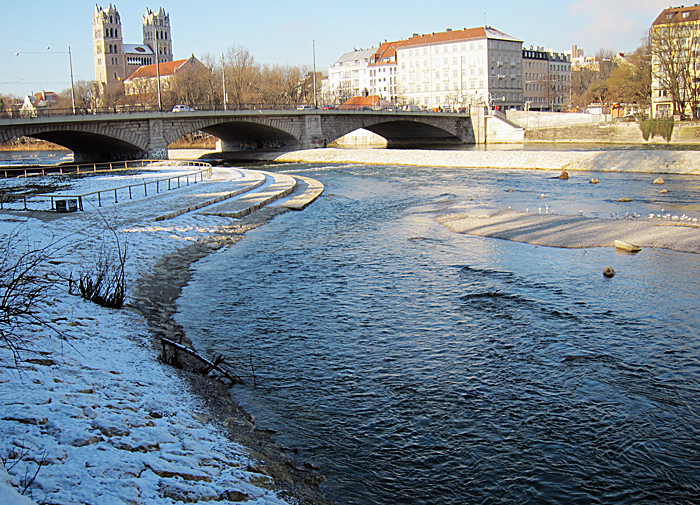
{"points": [[383, 72], [458, 67], [349, 76]]}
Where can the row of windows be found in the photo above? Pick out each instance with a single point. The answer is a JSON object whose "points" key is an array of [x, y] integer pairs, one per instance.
{"points": [[451, 99], [374, 71]]}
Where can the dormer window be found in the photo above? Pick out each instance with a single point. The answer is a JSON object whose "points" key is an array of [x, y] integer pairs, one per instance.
{"points": [[686, 14]]}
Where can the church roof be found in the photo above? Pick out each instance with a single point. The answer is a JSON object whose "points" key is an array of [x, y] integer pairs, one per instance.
{"points": [[166, 69], [142, 49]]}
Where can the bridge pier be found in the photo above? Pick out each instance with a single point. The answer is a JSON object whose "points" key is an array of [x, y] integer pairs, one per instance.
{"points": [[312, 135], [157, 145]]}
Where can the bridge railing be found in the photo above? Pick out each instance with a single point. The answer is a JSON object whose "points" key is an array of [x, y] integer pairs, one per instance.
{"points": [[67, 202], [135, 109]]}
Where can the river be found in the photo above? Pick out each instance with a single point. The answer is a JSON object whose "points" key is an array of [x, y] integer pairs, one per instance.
{"points": [[413, 365]]}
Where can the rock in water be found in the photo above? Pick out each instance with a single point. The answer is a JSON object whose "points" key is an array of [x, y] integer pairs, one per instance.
{"points": [[658, 180], [564, 175], [608, 273], [625, 199], [664, 191], [594, 181]]}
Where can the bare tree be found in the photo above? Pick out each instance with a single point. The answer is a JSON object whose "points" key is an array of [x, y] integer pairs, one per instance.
{"points": [[675, 60], [24, 284], [242, 72]]}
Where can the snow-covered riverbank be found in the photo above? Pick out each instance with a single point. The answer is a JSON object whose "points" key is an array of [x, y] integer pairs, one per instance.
{"points": [[89, 414]]}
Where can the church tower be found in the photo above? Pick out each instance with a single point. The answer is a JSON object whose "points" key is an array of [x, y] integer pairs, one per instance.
{"points": [[156, 34], [108, 46]]}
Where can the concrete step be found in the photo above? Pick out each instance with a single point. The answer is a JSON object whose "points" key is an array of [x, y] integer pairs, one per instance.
{"points": [[215, 193], [307, 191], [279, 186]]}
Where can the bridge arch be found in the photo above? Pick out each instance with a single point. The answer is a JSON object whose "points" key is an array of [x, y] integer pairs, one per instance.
{"points": [[90, 147], [241, 134], [405, 131]]}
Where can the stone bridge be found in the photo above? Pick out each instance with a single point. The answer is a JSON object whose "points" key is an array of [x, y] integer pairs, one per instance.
{"points": [[115, 137]]}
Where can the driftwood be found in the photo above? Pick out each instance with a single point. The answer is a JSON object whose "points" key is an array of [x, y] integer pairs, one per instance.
{"points": [[217, 364]]}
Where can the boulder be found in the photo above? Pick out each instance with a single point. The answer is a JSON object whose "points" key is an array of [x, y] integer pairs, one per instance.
{"points": [[625, 199], [594, 181], [658, 180], [564, 175], [608, 273]]}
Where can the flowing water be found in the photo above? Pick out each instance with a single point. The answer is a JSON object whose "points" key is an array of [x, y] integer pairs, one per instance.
{"points": [[414, 365]]}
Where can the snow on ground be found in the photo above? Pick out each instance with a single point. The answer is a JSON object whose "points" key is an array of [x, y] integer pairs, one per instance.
{"points": [[107, 422]]}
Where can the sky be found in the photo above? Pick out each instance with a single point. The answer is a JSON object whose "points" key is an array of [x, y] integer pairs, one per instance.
{"points": [[34, 48]]}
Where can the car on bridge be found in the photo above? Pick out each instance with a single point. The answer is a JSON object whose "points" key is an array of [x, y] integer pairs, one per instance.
{"points": [[182, 108], [304, 107]]}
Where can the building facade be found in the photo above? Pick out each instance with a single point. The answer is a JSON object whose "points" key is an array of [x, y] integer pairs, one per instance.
{"points": [[458, 67], [675, 61], [547, 79], [349, 76], [383, 72], [114, 61]]}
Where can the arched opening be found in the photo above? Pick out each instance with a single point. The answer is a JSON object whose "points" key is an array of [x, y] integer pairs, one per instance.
{"points": [[91, 147], [397, 134], [239, 137]]}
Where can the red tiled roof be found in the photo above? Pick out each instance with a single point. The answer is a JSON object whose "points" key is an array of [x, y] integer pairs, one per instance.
{"points": [[150, 71], [360, 101], [451, 36], [385, 52]]}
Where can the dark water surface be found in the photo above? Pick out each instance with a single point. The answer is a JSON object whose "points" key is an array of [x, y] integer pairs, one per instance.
{"points": [[414, 365]]}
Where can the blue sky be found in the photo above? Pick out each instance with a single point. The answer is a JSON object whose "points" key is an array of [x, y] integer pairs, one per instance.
{"points": [[282, 32]]}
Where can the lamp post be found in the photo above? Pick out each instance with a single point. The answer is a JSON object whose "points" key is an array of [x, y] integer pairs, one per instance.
{"points": [[313, 46], [160, 101], [223, 81], [72, 87]]}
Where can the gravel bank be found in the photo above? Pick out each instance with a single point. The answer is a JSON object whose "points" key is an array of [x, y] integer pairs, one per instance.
{"points": [[575, 231]]}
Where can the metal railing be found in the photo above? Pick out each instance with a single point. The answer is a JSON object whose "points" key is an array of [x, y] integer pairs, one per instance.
{"points": [[139, 109], [80, 168], [138, 190]]}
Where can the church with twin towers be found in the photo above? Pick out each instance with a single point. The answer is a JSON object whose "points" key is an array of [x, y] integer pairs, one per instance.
{"points": [[114, 60]]}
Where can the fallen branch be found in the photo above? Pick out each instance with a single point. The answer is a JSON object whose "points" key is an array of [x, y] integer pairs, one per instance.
{"points": [[209, 365]]}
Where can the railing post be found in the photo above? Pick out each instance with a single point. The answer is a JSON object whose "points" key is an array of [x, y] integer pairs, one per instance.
{"points": [[129, 192], [115, 196], [99, 198], [145, 191], [157, 186], [25, 203], [80, 202], [51, 202], [169, 183], [178, 182]]}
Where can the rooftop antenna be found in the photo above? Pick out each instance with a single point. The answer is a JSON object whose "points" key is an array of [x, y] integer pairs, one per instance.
{"points": [[485, 24]]}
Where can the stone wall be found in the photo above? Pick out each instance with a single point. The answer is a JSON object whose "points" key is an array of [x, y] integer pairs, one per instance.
{"points": [[532, 119], [612, 133]]}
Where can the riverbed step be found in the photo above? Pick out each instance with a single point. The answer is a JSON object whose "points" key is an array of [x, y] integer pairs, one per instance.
{"points": [[308, 189], [201, 200], [279, 186]]}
